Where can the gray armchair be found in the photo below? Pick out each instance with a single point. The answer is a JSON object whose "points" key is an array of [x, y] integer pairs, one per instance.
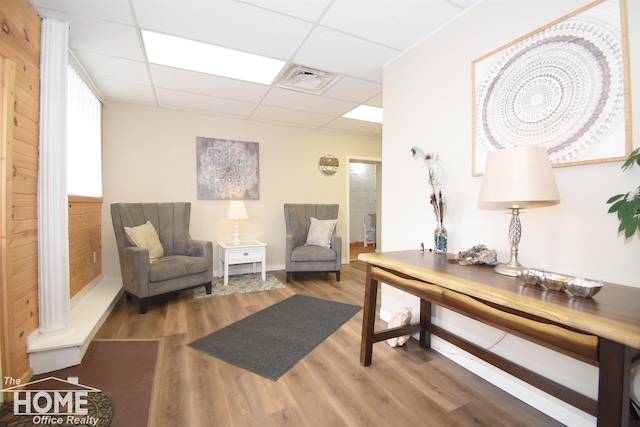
{"points": [[185, 263], [304, 259]]}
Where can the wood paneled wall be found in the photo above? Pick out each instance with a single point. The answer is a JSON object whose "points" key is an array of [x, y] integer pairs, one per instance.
{"points": [[85, 224], [20, 43]]}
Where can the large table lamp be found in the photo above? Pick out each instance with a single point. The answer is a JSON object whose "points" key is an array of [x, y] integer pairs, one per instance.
{"points": [[236, 210], [517, 178]]}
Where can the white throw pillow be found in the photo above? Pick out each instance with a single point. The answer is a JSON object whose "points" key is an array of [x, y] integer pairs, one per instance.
{"points": [[320, 232], [145, 236]]}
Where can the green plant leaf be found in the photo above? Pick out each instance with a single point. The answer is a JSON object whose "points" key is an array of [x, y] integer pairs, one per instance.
{"points": [[629, 225], [617, 206], [627, 206], [634, 157], [614, 198], [630, 230], [624, 227]]}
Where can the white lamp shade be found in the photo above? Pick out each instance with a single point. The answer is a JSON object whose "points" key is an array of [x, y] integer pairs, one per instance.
{"points": [[236, 210], [518, 177]]}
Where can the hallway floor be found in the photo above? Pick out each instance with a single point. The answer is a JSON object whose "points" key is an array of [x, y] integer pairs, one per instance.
{"points": [[357, 248]]}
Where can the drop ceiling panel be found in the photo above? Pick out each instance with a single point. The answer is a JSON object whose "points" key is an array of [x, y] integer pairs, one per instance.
{"points": [[354, 126], [107, 38], [174, 98], [376, 101], [112, 10], [306, 102], [397, 24], [123, 92], [336, 52], [309, 10], [204, 84], [291, 117], [354, 90], [112, 68], [225, 23]]}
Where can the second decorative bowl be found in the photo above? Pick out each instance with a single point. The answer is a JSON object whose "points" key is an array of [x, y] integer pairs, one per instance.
{"points": [[554, 282]]}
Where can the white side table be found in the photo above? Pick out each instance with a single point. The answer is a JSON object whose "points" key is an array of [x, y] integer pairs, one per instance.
{"points": [[246, 251]]}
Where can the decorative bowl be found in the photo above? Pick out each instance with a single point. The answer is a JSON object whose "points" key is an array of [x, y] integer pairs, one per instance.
{"points": [[583, 288], [530, 276], [554, 282]]}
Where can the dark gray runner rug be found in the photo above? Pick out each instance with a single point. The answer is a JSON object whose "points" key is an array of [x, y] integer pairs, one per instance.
{"points": [[273, 340]]}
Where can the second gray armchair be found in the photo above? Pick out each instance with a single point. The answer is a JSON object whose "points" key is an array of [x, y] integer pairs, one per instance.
{"points": [[318, 251]]}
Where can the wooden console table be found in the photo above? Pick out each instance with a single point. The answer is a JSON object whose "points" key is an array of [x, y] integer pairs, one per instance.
{"points": [[603, 331]]}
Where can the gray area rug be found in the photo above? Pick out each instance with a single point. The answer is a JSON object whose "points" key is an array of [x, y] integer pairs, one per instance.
{"points": [[239, 284], [273, 340]]}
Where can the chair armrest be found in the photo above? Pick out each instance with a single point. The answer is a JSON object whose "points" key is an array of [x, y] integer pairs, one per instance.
{"points": [[199, 248], [135, 274], [336, 245], [202, 249], [290, 240]]}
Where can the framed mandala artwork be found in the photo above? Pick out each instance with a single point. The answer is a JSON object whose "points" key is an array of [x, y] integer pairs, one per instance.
{"points": [[227, 170], [564, 86]]}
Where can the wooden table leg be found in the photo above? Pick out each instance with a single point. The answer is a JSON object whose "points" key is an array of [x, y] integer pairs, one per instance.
{"points": [[368, 318], [614, 383], [425, 319]]}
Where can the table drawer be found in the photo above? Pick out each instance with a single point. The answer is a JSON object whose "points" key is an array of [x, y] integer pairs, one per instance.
{"points": [[245, 254]]}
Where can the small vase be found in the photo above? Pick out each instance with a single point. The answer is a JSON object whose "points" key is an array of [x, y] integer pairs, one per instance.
{"points": [[440, 239]]}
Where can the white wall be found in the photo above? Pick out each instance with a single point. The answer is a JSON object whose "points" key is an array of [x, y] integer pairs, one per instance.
{"points": [[150, 156], [428, 103]]}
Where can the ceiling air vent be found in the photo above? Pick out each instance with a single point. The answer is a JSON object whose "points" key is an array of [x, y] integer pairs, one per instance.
{"points": [[307, 80]]}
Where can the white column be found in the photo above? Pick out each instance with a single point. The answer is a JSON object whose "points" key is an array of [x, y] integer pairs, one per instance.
{"points": [[53, 223]]}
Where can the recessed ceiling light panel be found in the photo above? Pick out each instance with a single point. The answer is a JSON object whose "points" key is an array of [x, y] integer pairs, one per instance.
{"points": [[172, 51], [366, 113]]}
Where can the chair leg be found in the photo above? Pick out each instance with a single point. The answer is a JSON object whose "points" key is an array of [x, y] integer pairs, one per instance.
{"points": [[288, 276], [207, 287], [144, 305], [338, 276]]}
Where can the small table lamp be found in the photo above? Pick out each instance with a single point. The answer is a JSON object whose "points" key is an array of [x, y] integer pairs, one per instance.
{"points": [[236, 210], [517, 178]]}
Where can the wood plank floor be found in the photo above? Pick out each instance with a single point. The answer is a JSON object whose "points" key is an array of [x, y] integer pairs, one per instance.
{"points": [[407, 386]]}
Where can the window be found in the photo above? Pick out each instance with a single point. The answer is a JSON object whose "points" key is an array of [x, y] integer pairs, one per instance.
{"points": [[84, 138]]}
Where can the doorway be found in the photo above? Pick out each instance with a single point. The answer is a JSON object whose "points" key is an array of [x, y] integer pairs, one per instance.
{"points": [[364, 202]]}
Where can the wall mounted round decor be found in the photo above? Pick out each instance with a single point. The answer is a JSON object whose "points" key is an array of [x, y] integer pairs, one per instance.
{"points": [[562, 87], [328, 164]]}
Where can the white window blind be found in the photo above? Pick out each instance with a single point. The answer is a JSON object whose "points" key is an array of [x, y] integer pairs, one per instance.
{"points": [[84, 138]]}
